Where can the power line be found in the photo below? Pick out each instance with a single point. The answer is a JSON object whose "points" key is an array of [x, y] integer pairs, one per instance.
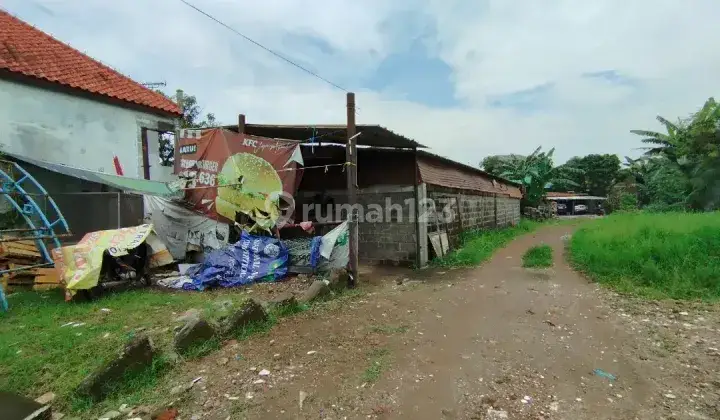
{"points": [[276, 54]]}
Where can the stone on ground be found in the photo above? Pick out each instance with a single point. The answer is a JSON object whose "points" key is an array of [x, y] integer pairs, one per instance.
{"points": [[284, 299], [338, 279], [318, 289], [45, 398], [251, 311], [110, 415], [136, 356], [195, 331]]}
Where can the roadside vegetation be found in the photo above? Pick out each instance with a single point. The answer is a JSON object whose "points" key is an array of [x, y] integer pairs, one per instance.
{"points": [[655, 255], [477, 246], [539, 256], [49, 345]]}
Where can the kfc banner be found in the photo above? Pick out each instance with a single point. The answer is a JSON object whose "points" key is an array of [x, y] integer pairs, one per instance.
{"points": [[233, 173]]}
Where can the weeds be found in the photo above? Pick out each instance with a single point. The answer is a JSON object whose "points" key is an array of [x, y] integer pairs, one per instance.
{"points": [[539, 256], [40, 351], [203, 349], [479, 245], [667, 255], [378, 359]]}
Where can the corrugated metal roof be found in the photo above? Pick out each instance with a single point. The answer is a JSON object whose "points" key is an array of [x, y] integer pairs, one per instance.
{"points": [[30, 52], [134, 185], [372, 135], [437, 170]]}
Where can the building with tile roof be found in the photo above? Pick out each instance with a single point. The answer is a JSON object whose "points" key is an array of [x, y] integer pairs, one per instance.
{"points": [[61, 106]]}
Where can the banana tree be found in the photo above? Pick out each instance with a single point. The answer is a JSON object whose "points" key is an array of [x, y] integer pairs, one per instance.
{"points": [[535, 172]]}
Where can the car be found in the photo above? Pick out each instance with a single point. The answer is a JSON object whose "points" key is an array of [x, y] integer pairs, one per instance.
{"points": [[580, 208], [562, 208]]}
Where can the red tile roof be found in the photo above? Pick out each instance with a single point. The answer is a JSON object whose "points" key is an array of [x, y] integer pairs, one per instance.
{"points": [[436, 170], [33, 53]]}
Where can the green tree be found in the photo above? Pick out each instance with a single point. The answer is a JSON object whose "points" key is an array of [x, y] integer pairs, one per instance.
{"points": [[599, 173], [692, 147], [568, 171], [493, 164], [190, 119], [535, 172]]}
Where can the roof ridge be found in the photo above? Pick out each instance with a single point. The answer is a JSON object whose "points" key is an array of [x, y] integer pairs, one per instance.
{"points": [[160, 102]]}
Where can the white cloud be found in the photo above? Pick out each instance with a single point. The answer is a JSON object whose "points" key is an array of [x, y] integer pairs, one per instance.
{"points": [[494, 47]]}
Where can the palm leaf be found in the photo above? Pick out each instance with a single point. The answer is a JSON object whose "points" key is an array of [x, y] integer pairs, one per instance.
{"points": [[671, 128], [647, 133]]}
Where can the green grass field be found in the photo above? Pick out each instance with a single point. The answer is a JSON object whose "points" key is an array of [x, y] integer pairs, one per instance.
{"points": [[666, 255], [479, 245], [539, 256]]}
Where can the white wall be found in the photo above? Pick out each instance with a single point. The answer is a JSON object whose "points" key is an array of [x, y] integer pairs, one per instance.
{"points": [[70, 130]]}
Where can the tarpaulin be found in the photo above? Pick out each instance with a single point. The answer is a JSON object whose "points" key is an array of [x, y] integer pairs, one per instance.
{"points": [[320, 253], [179, 227], [234, 173], [335, 248], [253, 258], [79, 265]]}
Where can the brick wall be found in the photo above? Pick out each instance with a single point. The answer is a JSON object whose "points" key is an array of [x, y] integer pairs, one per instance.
{"points": [[386, 232], [461, 210]]}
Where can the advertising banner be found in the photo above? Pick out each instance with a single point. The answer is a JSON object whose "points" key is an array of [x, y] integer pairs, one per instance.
{"points": [[234, 173]]}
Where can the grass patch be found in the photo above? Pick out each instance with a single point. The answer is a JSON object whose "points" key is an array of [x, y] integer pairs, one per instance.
{"points": [[479, 245], [203, 349], [666, 255], [378, 361], [38, 354], [539, 256]]}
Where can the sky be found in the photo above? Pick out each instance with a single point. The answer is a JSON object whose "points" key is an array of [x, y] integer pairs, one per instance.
{"points": [[466, 78]]}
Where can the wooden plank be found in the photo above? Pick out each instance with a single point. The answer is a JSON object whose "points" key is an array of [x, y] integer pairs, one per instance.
{"points": [[29, 245], [14, 266], [46, 271], [20, 260], [17, 252], [43, 287], [47, 280]]}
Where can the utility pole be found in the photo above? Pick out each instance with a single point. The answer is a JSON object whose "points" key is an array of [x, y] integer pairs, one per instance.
{"points": [[351, 171]]}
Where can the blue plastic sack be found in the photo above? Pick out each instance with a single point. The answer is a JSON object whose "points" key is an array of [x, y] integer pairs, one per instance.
{"points": [[249, 260]]}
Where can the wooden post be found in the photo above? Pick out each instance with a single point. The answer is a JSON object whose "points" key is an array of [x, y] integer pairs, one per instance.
{"points": [[145, 152], [416, 168], [351, 171], [241, 123]]}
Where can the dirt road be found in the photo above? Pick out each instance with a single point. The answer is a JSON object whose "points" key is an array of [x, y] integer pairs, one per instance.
{"points": [[489, 343]]}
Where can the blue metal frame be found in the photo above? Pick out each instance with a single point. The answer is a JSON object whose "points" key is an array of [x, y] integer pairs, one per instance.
{"points": [[30, 207]]}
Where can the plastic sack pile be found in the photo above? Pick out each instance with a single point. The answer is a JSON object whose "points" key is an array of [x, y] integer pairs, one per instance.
{"points": [[251, 259], [262, 258]]}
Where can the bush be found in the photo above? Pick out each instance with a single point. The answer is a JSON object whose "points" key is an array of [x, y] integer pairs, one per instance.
{"points": [[667, 255]]}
